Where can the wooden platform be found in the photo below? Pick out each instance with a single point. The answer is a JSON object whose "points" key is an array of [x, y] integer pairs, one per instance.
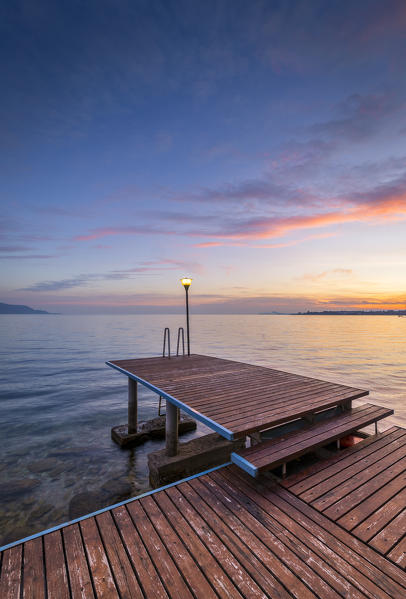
{"points": [[363, 489], [234, 398], [272, 453], [222, 534]]}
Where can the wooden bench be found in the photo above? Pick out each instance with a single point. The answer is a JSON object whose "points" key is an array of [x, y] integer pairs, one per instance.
{"points": [[273, 453]]}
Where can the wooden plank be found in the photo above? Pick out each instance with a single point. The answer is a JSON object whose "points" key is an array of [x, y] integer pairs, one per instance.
{"points": [[147, 573], [245, 567], [98, 563], [225, 399], [11, 573], [290, 549], [34, 576], [282, 568], [324, 468], [376, 511], [391, 534], [378, 569], [218, 578], [387, 453], [341, 574], [181, 556], [218, 389], [372, 567], [398, 553], [79, 576], [277, 451], [124, 576], [171, 577], [289, 407], [340, 500], [269, 419], [56, 574]]}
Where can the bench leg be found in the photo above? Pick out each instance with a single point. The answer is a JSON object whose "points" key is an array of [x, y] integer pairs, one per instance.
{"points": [[376, 428], [284, 470], [338, 443]]}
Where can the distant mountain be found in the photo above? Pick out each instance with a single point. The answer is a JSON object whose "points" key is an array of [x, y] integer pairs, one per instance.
{"points": [[12, 309]]}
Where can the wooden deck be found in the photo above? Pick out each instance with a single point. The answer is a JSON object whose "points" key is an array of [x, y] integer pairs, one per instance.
{"points": [[234, 398], [363, 489], [270, 454], [221, 534]]}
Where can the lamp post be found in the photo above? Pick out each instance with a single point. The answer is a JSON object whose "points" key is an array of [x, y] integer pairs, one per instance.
{"points": [[186, 282]]}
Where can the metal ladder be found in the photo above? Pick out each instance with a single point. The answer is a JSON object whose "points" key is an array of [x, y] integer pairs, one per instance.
{"points": [[167, 341]]}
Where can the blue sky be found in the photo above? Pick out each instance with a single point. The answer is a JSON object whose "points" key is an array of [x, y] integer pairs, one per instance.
{"points": [[258, 147]]}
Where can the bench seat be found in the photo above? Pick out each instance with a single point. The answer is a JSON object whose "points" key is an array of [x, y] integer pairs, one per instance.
{"points": [[273, 453]]}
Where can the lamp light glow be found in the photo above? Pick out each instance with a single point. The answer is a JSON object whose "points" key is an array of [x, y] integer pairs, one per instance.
{"points": [[186, 282]]}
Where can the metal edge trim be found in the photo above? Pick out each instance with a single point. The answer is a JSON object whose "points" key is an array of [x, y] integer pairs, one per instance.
{"points": [[224, 432], [110, 507]]}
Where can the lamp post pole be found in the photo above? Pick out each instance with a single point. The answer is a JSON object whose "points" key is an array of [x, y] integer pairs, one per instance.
{"points": [[186, 282], [187, 321]]}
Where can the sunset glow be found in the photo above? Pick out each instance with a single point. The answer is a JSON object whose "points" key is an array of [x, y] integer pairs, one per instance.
{"points": [[257, 147]]}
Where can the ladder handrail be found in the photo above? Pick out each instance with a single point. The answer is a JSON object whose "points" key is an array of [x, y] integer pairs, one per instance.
{"points": [[180, 330], [169, 342]]}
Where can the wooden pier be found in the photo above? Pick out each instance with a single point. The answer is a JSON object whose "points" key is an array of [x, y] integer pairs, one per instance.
{"points": [[364, 490], [337, 529], [221, 534], [233, 398]]}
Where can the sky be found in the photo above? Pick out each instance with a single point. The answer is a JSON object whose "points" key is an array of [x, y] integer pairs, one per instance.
{"points": [[258, 147]]}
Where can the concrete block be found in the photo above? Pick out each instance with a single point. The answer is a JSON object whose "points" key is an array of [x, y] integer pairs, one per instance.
{"points": [[149, 429], [193, 457]]}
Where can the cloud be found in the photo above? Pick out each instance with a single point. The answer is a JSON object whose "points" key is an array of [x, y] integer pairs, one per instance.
{"points": [[149, 267], [28, 257], [380, 204], [101, 232], [208, 244], [14, 248], [361, 116], [334, 272], [63, 284]]}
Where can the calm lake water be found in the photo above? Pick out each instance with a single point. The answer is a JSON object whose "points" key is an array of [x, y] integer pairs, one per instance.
{"points": [[58, 400]]}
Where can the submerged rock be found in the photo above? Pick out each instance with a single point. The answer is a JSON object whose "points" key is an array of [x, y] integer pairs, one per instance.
{"points": [[85, 503], [16, 487], [117, 488], [68, 451], [41, 509], [43, 465]]}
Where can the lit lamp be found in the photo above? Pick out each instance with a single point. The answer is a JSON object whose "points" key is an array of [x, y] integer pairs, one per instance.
{"points": [[186, 282]]}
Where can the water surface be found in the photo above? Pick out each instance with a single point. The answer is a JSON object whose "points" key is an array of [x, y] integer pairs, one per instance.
{"points": [[58, 400]]}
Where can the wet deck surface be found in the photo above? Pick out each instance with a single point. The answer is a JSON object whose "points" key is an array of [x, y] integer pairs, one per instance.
{"points": [[235, 398], [363, 489], [222, 534]]}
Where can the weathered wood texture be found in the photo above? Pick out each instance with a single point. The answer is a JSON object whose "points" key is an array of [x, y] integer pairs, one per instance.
{"points": [[270, 454], [222, 534], [363, 489], [241, 397]]}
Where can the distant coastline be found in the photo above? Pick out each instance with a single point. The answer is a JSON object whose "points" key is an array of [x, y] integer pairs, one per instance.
{"points": [[15, 309], [340, 313], [355, 313]]}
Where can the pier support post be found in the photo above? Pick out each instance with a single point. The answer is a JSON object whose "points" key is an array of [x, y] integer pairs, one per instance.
{"points": [[132, 406], [171, 430]]}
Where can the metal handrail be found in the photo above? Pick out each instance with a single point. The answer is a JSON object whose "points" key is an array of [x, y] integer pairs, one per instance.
{"points": [[169, 342], [180, 330]]}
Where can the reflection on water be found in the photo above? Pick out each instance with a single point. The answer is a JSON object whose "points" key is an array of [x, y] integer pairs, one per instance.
{"points": [[58, 400]]}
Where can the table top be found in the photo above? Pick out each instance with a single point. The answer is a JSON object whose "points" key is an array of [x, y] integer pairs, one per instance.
{"points": [[235, 398]]}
